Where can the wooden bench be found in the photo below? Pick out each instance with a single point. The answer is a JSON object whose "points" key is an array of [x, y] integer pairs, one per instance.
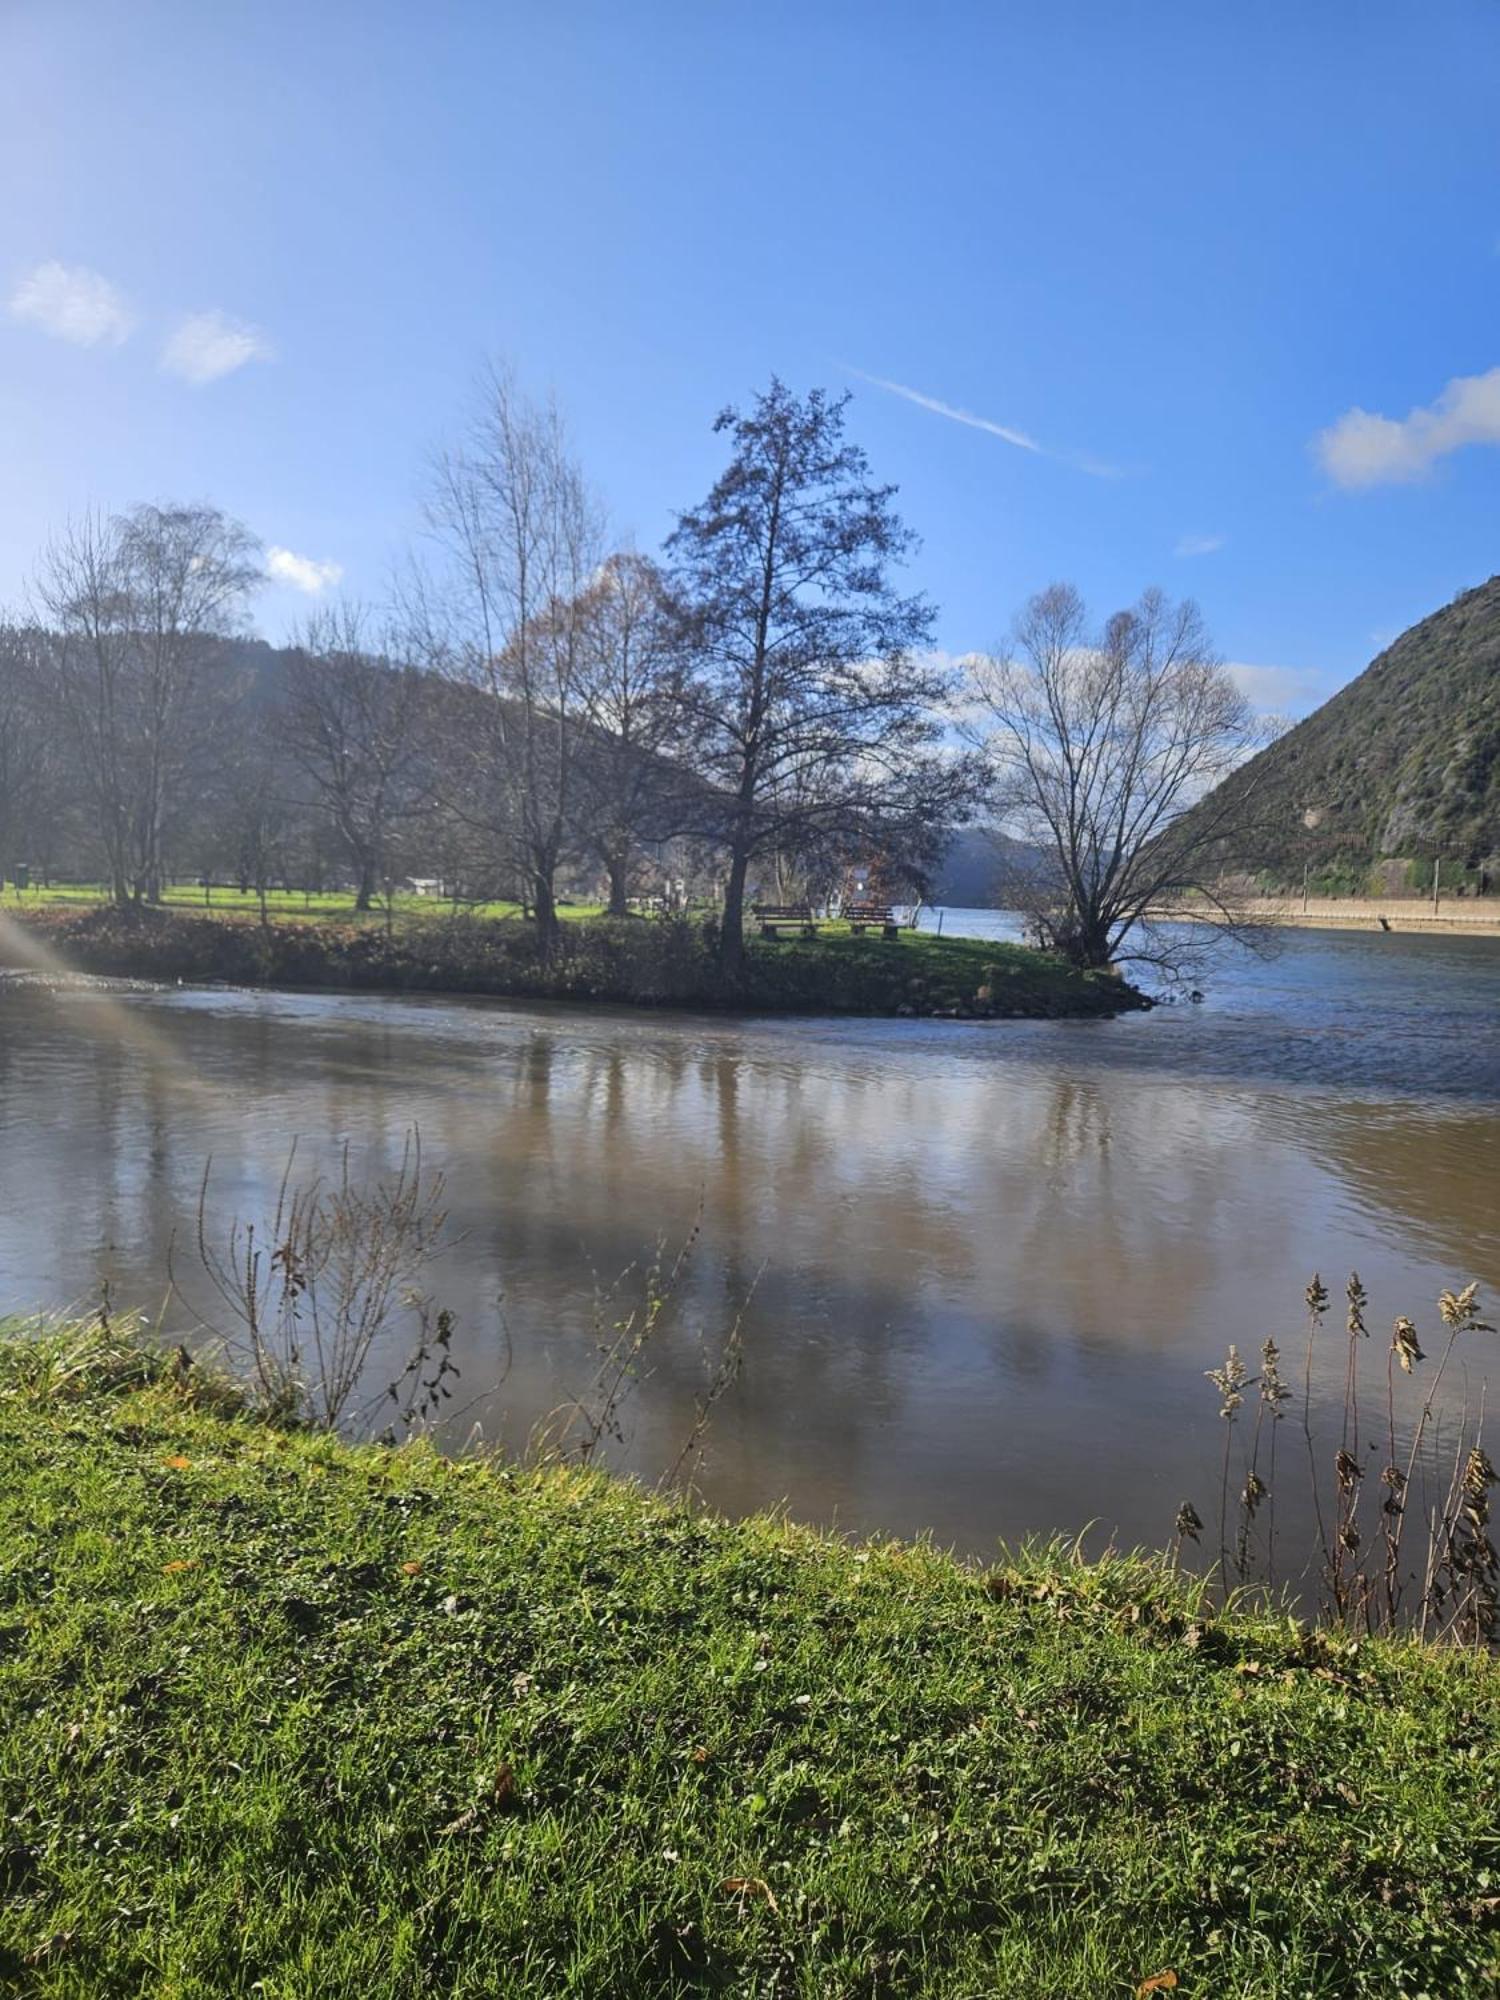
{"points": [[776, 917], [862, 917]]}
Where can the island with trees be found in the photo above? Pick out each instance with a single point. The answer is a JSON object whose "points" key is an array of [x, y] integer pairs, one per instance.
{"points": [[539, 726]]}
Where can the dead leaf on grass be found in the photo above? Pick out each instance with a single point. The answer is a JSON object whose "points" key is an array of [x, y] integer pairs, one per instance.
{"points": [[750, 1885]]}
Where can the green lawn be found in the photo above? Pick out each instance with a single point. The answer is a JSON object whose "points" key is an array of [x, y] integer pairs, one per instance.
{"points": [[285, 904], [288, 1718], [299, 905], [337, 906]]}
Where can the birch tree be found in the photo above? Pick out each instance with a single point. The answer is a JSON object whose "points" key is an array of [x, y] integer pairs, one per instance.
{"points": [[136, 603], [522, 537]]}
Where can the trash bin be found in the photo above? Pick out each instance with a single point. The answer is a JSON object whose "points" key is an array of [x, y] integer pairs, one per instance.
{"points": [[21, 875]]}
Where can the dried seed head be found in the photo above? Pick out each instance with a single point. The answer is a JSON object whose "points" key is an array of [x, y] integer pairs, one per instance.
{"points": [[1188, 1522], [1347, 1471], [1405, 1345], [1230, 1381], [1317, 1297], [1255, 1491], [1479, 1476], [1460, 1310], [1273, 1390], [1358, 1299]]}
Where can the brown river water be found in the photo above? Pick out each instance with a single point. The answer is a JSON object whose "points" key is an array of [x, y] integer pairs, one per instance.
{"points": [[981, 1265]]}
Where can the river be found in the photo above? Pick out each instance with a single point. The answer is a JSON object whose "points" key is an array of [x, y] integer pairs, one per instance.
{"points": [[981, 1266]]}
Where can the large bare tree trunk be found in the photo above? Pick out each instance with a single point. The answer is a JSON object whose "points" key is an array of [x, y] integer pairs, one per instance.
{"points": [[619, 884], [544, 910], [732, 929]]}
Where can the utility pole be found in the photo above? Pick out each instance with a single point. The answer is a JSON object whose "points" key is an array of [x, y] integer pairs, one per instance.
{"points": [[1305, 866], [1436, 867]]}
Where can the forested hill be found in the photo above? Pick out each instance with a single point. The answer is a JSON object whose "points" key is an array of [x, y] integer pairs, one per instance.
{"points": [[979, 870], [1403, 762]]}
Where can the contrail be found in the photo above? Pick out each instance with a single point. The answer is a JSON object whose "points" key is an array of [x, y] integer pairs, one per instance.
{"points": [[1095, 467]]}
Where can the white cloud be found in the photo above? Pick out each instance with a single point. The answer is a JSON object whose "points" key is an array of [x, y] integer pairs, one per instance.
{"points": [[208, 345], [1279, 690], [1007, 432], [73, 303], [304, 573], [1199, 545], [1363, 449]]}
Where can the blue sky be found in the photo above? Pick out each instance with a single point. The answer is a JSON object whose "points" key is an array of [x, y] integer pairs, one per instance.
{"points": [[1222, 285]]}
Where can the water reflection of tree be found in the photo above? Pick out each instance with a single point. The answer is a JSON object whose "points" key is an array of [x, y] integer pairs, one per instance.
{"points": [[1077, 1123]]}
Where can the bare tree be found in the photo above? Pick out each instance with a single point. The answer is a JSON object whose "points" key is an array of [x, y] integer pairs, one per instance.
{"points": [[812, 704], [461, 844], [352, 720], [632, 790], [258, 824], [82, 590], [521, 531], [33, 778], [137, 602], [1105, 750]]}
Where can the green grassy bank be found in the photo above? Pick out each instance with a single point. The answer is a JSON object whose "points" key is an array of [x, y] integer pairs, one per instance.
{"points": [[660, 962], [285, 1717]]}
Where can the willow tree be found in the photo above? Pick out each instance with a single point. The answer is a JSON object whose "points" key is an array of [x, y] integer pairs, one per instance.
{"points": [[811, 704], [1105, 750]]}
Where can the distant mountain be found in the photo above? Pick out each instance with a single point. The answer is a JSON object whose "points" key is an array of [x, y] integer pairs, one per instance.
{"points": [[1403, 762], [974, 870]]}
